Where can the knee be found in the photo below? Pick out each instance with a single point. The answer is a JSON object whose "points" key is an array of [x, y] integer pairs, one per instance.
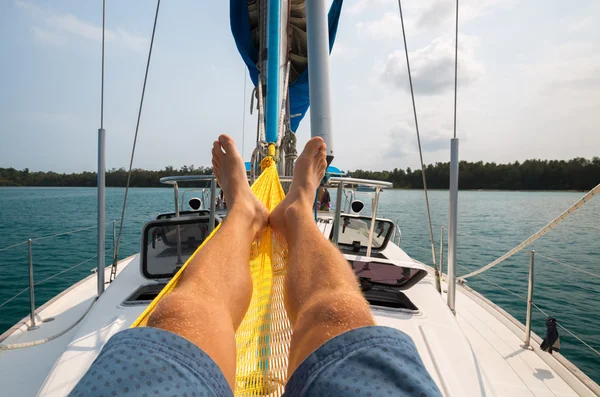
{"points": [[345, 310], [177, 308]]}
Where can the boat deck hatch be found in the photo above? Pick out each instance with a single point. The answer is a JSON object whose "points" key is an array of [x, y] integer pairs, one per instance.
{"points": [[382, 295], [144, 295], [386, 273]]}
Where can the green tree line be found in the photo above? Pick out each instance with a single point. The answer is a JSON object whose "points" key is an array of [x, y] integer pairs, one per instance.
{"points": [[114, 177], [576, 174]]}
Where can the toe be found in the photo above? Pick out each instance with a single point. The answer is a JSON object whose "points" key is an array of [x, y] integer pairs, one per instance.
{"points": [[217, 152], [314, 145], [216, 157], [227, 143]]}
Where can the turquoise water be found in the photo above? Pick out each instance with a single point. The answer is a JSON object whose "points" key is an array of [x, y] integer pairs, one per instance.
{"points": [[490, 223]]}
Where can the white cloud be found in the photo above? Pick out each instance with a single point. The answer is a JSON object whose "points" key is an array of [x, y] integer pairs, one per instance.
{"points": [[438, 13], [58, 27], [363, 5], [73, 25], [342, 51], [402, 137], [420, 16], [569, 81], [31, 9], [46, 36], [385, 28], [432, 67]]}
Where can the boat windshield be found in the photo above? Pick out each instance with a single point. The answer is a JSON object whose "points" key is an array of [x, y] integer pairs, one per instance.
{"points": [[354, 232]]}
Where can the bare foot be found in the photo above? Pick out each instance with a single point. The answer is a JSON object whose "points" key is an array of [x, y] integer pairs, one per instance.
{"points": [[308, 173], [229, 169]]}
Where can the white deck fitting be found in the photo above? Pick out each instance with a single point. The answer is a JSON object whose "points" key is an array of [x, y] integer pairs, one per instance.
{"points": [[476, 353]]}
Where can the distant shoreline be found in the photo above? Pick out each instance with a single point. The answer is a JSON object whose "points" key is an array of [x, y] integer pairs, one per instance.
{"points": [[575, 175], [395, 188], [501, 190]]}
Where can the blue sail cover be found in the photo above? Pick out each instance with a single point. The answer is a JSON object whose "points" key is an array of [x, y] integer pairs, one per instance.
{"points": [[298, 90]]}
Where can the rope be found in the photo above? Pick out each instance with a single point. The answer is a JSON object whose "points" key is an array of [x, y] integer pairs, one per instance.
{"points": [[412, 95], [563, 327], [540, 233], [137, 127], [284, 108], [537, 253], [270, 159], [51, 338], [261, 111], [566, 264]]}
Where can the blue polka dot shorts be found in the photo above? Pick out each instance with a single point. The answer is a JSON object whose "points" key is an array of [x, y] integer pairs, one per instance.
{"points": [[365, 362]]}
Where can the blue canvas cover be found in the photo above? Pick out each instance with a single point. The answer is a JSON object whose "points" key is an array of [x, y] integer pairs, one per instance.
{"points": [[298, 89]]}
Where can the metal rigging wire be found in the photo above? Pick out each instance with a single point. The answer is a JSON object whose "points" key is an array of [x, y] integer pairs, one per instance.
{"points": [[137, 127], [455, 67], [412, 95], [102, 79]]}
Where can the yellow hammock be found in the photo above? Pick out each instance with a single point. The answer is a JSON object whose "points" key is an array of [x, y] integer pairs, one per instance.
{"points": [[262, 340]]}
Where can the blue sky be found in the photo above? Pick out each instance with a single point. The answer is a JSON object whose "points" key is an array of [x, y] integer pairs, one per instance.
{"points": [[528, 82]]}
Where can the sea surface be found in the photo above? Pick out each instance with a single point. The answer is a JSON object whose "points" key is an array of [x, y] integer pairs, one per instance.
{"points": [[567, 262]]}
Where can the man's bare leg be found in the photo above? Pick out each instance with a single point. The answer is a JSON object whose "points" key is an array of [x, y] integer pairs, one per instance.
{"points": [[214, 292], [322, 296]]}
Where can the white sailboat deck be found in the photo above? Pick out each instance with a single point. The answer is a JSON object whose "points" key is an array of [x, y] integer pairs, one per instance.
{"points": [[476, 353]]}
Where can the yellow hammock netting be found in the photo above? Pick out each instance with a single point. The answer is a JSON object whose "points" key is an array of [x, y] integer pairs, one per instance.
{"points": [[262, 340]]}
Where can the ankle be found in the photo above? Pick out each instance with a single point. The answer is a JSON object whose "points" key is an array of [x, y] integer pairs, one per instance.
{"points": [[248, 216], [297, 213]]}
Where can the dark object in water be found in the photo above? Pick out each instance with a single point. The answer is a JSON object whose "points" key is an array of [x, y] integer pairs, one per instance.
{"points": [[552, 341]]}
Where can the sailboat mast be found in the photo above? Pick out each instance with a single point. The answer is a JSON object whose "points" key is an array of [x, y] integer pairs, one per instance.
{"points": [[273, 70], [454, 164], [317, 30]]}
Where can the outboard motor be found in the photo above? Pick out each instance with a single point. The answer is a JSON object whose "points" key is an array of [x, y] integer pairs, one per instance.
{"points": [[195, 203]]}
